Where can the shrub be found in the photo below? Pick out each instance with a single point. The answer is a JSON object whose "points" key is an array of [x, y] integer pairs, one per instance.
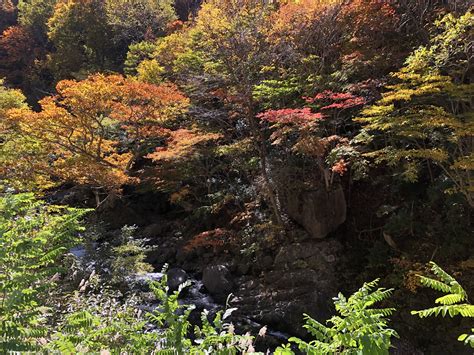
{"points": [[33, 239], [453, 303], [358, 328]]}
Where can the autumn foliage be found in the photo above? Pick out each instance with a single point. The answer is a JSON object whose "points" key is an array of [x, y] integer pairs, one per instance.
{"points": [[286, 116], [243, 128], [17, 53], [329, 100], [8, 14], [95, 129], [181, 144], [215, 239]]}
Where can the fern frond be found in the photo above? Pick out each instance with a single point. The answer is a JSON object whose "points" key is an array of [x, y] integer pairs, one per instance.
{"points": [[385, 312], [317, 329], [357, 329], [465, 310], [450, 303], [312, 348], [450, 299], [468, 339], [434, 284], [377, 296], [371, 285], [366, 288], [443, 275]]}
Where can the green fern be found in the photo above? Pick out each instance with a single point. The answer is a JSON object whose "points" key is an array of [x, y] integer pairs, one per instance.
{"points": [[468, 339], [33, 239], [454, 303], [171, 317], [213, 337], [101, 320], [357, 328]]}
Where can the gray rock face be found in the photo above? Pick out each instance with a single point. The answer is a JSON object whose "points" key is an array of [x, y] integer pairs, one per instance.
{"points": [[303, 279], [316, 255], [217, 280], [319, 212]]}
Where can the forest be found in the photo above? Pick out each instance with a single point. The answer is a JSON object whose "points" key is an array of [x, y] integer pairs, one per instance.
{"points": [[236, 177]]}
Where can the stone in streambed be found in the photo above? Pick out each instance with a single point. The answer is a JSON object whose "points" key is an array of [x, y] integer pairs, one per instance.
{"points": [[217, 280]]}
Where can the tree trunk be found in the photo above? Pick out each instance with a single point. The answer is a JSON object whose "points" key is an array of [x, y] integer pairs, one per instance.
{"points": [[260, 141]]}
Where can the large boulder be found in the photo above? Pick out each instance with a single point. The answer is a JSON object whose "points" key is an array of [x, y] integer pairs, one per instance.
{"points": [[319, 211], [304, 276], [217, 280], [176, 277]]}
